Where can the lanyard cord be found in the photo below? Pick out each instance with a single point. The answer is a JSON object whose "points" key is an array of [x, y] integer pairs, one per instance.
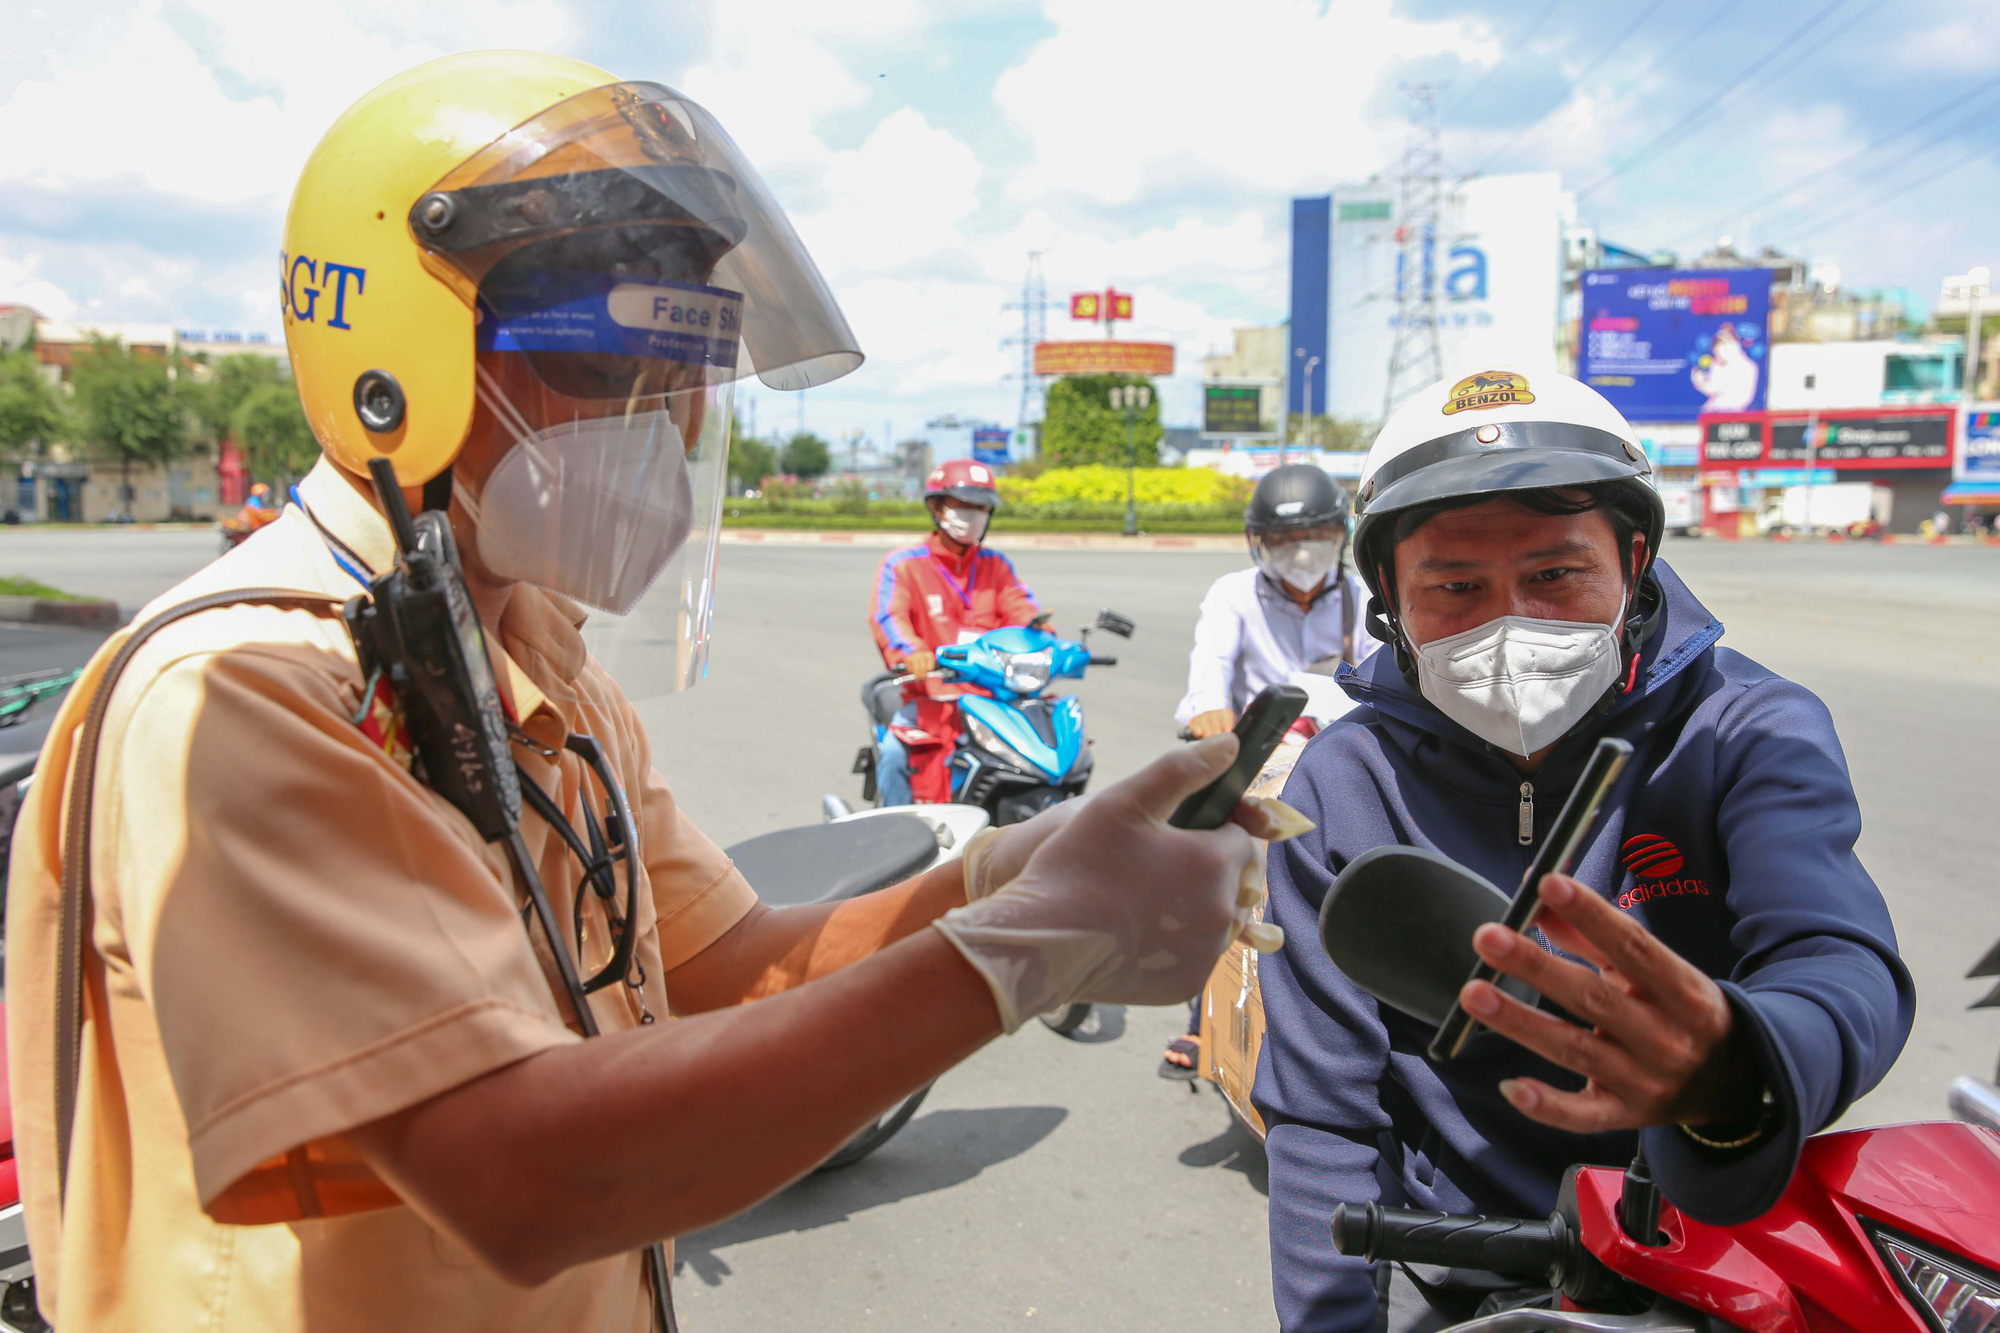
{"points": [[343, 554]]}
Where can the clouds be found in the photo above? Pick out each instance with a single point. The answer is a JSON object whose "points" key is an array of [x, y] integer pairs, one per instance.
{"points": [[922, 147]]}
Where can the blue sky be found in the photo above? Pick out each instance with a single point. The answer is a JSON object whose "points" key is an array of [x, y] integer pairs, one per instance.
{"points": [[147, 149]]}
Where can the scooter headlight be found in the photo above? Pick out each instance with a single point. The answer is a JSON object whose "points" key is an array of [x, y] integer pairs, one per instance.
{"points": [[989, 740], [1028, 673], [1954, 1295]]}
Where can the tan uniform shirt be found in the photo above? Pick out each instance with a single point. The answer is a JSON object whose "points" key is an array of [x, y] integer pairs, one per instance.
{"points": [[294, 937]]}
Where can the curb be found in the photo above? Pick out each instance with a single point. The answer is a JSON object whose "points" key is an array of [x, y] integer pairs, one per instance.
{"points": [[1067, 541], [75, 615]]}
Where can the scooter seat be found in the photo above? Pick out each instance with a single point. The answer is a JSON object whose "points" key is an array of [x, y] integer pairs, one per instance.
{"points": [[881, 698], [819, 863]]}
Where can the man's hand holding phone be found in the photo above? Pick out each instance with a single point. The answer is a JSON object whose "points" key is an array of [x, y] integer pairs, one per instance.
{"points": [[1661, 1048]]}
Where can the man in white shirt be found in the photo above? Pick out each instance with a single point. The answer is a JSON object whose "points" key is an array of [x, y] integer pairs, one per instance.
{"points": [[1297, 608]]}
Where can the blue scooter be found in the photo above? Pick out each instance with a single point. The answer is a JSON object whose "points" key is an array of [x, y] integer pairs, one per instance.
{"points": [[1019, 750]]}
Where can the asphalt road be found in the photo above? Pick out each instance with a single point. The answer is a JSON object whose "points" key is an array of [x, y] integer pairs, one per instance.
{"points": [[1061, 1183]]}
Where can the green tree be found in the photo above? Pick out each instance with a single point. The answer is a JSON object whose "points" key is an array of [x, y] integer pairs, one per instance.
{"points": [[1337, 434], [216, 398], [128, 405], [271, 429], [1080, 426], [750, 461], [806, 456], [31, 408]]}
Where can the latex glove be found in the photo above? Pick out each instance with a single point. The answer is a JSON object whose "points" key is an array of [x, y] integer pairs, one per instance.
{"points": [[1115, 906], [1212, 723], [920, 663], [995, 855]]}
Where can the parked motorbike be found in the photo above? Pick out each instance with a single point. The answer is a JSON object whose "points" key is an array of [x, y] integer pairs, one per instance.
{"points": [[1890, 1230], [1020, 750], [850, 855], [21, 736]]}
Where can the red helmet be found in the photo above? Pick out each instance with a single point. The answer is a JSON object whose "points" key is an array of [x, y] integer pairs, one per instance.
{"points": [[965, 481]]}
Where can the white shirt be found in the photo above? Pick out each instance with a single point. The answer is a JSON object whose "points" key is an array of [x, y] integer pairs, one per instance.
{"points": [[1251, 635]]}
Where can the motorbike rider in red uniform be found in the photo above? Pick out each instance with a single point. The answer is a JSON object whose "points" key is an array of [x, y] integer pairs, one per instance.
{"points": [[947, 590]]}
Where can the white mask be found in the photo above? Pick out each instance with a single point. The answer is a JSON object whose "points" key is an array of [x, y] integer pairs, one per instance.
{"points": [[1301, 564], [592, 509], [965, 524], [1518, 682]]}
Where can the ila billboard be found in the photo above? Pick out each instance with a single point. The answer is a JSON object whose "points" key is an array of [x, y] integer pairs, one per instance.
{"points": [[1494, 265], [1671, 344]]}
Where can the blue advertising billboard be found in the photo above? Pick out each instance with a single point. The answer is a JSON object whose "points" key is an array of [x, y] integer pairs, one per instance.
{"points": [[1982, 447], [1671, 344], [989, 445]]}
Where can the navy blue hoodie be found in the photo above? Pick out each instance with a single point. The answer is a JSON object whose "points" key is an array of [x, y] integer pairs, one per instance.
{"points": [[1739, 815]]}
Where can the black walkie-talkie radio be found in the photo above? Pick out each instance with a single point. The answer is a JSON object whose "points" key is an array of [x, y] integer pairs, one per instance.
{"points": [[417, 628]]}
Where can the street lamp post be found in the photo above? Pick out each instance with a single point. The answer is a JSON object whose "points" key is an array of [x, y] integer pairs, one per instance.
{"points": [[1132, 399]]}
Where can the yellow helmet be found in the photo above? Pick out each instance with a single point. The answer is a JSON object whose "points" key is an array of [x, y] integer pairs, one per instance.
{"points": [[436, 177], [356, 295]]}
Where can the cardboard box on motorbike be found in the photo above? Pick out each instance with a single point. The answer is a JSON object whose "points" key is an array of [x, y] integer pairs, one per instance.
{"points": [[1232, 1007]]}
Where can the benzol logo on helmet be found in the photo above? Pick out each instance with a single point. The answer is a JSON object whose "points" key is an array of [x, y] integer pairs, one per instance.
{"points": [[1489, 388], [300, 297]]}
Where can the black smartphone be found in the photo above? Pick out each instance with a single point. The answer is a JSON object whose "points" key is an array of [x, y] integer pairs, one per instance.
{"points": [[1263, 724], [1556, 856]]}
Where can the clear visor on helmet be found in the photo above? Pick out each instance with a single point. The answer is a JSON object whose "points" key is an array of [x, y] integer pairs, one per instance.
{"points": [[1301, 556], [625, 266]]}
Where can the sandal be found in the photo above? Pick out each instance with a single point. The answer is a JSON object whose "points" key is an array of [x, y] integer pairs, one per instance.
{"points": [[1183, 1073]]}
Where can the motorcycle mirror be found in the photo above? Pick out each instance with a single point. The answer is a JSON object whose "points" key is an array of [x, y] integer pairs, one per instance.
{"points": [[1399, 921], [1989, 966], [1112, 623]]}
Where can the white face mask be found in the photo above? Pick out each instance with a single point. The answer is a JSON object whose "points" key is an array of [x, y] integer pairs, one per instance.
{"points": [[1518, 682], [1301, 564], [593, 509], [965, 524]]}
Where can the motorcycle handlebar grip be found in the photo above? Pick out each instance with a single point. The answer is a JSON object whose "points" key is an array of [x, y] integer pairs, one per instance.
{"points": [[1185, 734], [1095, 660], [1407, 1235]]}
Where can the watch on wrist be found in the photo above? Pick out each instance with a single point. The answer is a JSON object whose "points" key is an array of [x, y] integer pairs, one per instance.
{"points": [[1766, 1121]]}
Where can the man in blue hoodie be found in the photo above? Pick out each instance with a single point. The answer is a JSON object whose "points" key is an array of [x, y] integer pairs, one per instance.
{"points": [[1731, 965]]}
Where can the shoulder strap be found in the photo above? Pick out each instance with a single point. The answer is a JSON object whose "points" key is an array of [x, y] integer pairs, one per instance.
{"points": [[76, 895]]}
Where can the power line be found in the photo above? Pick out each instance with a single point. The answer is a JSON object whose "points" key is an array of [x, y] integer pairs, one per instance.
{"points": [[1521, 39], [1784, 191], [1712, 103], [1578, 81], [1779, 220], [1843, 218]]}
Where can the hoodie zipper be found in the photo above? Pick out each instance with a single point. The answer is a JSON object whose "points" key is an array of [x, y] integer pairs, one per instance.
{"points": [[1524, 832]]}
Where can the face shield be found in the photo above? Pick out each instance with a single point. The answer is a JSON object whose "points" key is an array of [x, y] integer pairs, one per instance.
{"points": [[1300, 556], [625, 266]]}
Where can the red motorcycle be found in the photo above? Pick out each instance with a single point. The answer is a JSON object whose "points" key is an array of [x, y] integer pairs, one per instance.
{"points": [[1891, 1230]]}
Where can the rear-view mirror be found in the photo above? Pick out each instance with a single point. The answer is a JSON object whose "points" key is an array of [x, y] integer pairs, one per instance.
{"points": [[1112, 623], [1399, 922]]}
